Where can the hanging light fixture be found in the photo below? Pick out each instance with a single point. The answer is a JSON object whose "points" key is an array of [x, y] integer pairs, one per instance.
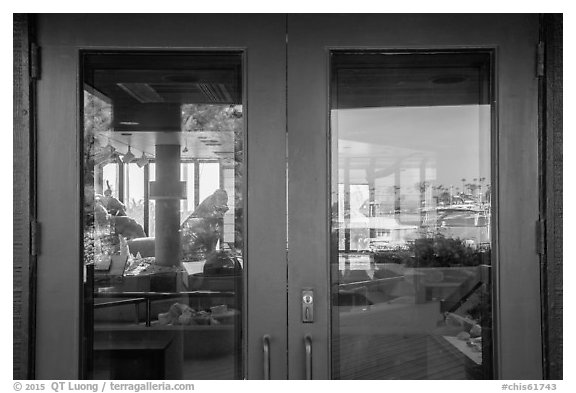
{"points": [[185, 146], [128, 157], [142, 161]]}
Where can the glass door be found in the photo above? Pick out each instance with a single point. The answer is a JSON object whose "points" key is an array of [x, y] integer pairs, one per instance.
{"points": [[412, 215], [162, 197], [413, 246], [163, 135], [219, 202]]}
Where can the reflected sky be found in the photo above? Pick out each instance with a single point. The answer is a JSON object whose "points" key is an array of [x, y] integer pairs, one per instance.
{"points": [[452, 142]]}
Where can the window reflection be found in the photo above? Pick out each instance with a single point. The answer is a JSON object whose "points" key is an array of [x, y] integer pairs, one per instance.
{"points": [[412, 215], [163, 163]]}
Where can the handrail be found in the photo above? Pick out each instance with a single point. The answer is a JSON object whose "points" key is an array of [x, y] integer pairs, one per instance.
{"points": [[374, 282], [162, 295], [149, 297], [119, 302]]}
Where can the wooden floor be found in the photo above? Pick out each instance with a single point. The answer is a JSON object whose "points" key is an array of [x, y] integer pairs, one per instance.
{"points": [[383, 357], [355, 356], [399, 357]]}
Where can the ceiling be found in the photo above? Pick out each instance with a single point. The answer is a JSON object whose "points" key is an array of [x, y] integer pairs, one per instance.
{"points": [[147, 91], [367, 80], [400, 111]]}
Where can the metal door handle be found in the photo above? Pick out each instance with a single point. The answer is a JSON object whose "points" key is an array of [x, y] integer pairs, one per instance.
{"points": [[266, 349], [308, 346]]}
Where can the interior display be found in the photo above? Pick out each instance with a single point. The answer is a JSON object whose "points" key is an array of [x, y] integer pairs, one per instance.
{"points": [[115, 219], [200, 232], [137, 265], [164, 157], [111, 203], [203, 229], [182, 314]]}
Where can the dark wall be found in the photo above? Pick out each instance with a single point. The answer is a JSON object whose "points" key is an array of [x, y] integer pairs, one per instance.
{"points": [[552, 168], [22, 201]]}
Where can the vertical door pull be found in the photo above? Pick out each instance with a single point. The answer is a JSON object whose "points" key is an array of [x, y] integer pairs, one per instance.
{"points": [[266, 349], [308, 346]]}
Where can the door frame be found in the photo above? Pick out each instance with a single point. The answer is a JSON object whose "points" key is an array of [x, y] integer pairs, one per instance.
{"points": [[551, 192], [24, 203], [24, 150]]}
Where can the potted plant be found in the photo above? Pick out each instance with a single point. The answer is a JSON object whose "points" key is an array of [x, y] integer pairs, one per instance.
{"points": [[445, 267]]}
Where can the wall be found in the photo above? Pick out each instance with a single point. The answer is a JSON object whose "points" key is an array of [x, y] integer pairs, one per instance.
{"points": [[22, 202], [552, 168]]}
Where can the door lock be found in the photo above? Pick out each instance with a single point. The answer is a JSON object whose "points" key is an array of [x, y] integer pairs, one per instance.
{"points": [[307, 305]]}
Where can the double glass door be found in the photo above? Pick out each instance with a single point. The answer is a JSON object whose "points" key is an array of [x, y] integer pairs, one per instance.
{"points": [[270, 196]]}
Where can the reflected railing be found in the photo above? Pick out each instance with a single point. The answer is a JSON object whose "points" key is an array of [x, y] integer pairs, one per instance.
{"points": [[137, 298]]}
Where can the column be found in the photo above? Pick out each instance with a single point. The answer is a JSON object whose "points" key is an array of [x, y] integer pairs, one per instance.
{"points": [[167, 194]]}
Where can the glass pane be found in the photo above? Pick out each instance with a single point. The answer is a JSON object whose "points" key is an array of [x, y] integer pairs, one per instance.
{"points": [[411, 215], [209, 178], [134, 192], [187, 205], [152, 203], [162, 222]]}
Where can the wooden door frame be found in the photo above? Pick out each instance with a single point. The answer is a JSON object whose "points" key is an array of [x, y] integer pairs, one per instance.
{"points": [[551, 193], [24, 197]]}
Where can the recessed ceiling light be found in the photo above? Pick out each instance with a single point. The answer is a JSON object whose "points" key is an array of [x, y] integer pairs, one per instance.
{"points": [[129, 123]]}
